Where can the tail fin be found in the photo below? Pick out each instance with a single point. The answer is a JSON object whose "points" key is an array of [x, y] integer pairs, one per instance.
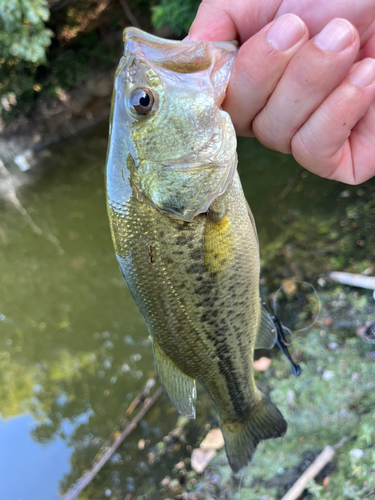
{"points": [[242, 438]]}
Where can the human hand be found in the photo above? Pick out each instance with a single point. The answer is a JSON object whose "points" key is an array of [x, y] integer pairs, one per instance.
{"points": [[312, 97]]}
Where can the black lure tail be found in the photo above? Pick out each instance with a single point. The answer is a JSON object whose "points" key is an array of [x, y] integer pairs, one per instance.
{"points": [[282, 345]]}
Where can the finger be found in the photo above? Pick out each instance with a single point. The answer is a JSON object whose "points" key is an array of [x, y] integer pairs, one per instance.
{"points": [[258, 67], [322, 145], [368, 50], [239, 20], [317, 13], [312, 74], [362, 141]]}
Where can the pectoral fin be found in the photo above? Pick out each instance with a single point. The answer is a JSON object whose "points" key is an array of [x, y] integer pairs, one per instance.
{"points": [[266, 336], [180, 388]]}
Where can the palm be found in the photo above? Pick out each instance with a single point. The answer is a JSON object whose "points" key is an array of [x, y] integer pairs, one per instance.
{"points": [[331, 130]]}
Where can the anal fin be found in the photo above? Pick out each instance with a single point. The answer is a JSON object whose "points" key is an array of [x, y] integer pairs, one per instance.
{"points": [[180, 388]]}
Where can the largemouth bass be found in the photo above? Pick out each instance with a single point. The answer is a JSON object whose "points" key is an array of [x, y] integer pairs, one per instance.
{"points": [[184, 235]]}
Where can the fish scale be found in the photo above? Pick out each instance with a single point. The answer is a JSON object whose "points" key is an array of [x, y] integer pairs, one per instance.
{"points": [[195, 323], [184, 235]]}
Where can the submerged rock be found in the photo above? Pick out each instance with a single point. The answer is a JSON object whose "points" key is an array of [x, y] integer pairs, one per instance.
{"points": [[214, 440], [200, 458]]}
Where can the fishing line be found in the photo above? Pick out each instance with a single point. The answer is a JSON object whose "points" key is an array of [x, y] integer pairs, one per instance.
{"points": [[291, 336], [281, 328], [241, 477], [281, 342], [275, 304]]}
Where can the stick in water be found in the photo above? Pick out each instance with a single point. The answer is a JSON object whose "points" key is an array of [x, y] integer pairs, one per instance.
{"points": [[106, 452], [313, 470]]}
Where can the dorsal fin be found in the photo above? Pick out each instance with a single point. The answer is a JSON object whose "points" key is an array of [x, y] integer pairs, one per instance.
{"points": [[266, 336]]}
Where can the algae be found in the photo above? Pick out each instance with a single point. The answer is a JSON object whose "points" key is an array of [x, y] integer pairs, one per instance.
{"points": [[333, 398]]}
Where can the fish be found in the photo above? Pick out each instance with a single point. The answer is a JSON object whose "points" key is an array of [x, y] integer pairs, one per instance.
{"points": [[184, 236]]}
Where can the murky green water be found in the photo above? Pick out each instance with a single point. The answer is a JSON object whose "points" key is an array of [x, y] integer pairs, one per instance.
{"points": [[73, 347]]}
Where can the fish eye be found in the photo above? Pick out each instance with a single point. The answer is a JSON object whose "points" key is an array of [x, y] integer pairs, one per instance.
{"points": [[142, 100]]}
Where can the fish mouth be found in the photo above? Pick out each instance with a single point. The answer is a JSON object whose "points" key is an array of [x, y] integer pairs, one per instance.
{"points": [[136, 33], [183, 168], [183, 57]]}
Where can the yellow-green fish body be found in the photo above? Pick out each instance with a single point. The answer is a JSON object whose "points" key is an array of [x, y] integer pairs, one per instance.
{"points": [[184, 235]]}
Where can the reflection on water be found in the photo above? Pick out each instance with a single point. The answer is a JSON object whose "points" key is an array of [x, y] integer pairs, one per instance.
{"points": [[73, 347], [24, 463]]}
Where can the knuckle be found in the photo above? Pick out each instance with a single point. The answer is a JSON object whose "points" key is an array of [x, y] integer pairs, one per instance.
{"points": [[269, 134], [262, 127], [303, 150], [252, 75]]}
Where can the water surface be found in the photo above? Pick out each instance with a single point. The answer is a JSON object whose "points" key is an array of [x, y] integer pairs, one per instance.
{"points": [[74, 349]]}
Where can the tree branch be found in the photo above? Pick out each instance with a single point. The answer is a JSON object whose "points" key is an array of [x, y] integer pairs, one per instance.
{"points": [[313, 470], [129, 14]]}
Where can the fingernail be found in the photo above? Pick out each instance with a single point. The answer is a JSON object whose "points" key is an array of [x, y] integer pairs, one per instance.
{"points": [[336, 36], [363, 74], [286, 31]]}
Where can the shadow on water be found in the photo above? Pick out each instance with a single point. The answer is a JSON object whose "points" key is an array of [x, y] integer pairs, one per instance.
{"points": [[74, 349]]}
